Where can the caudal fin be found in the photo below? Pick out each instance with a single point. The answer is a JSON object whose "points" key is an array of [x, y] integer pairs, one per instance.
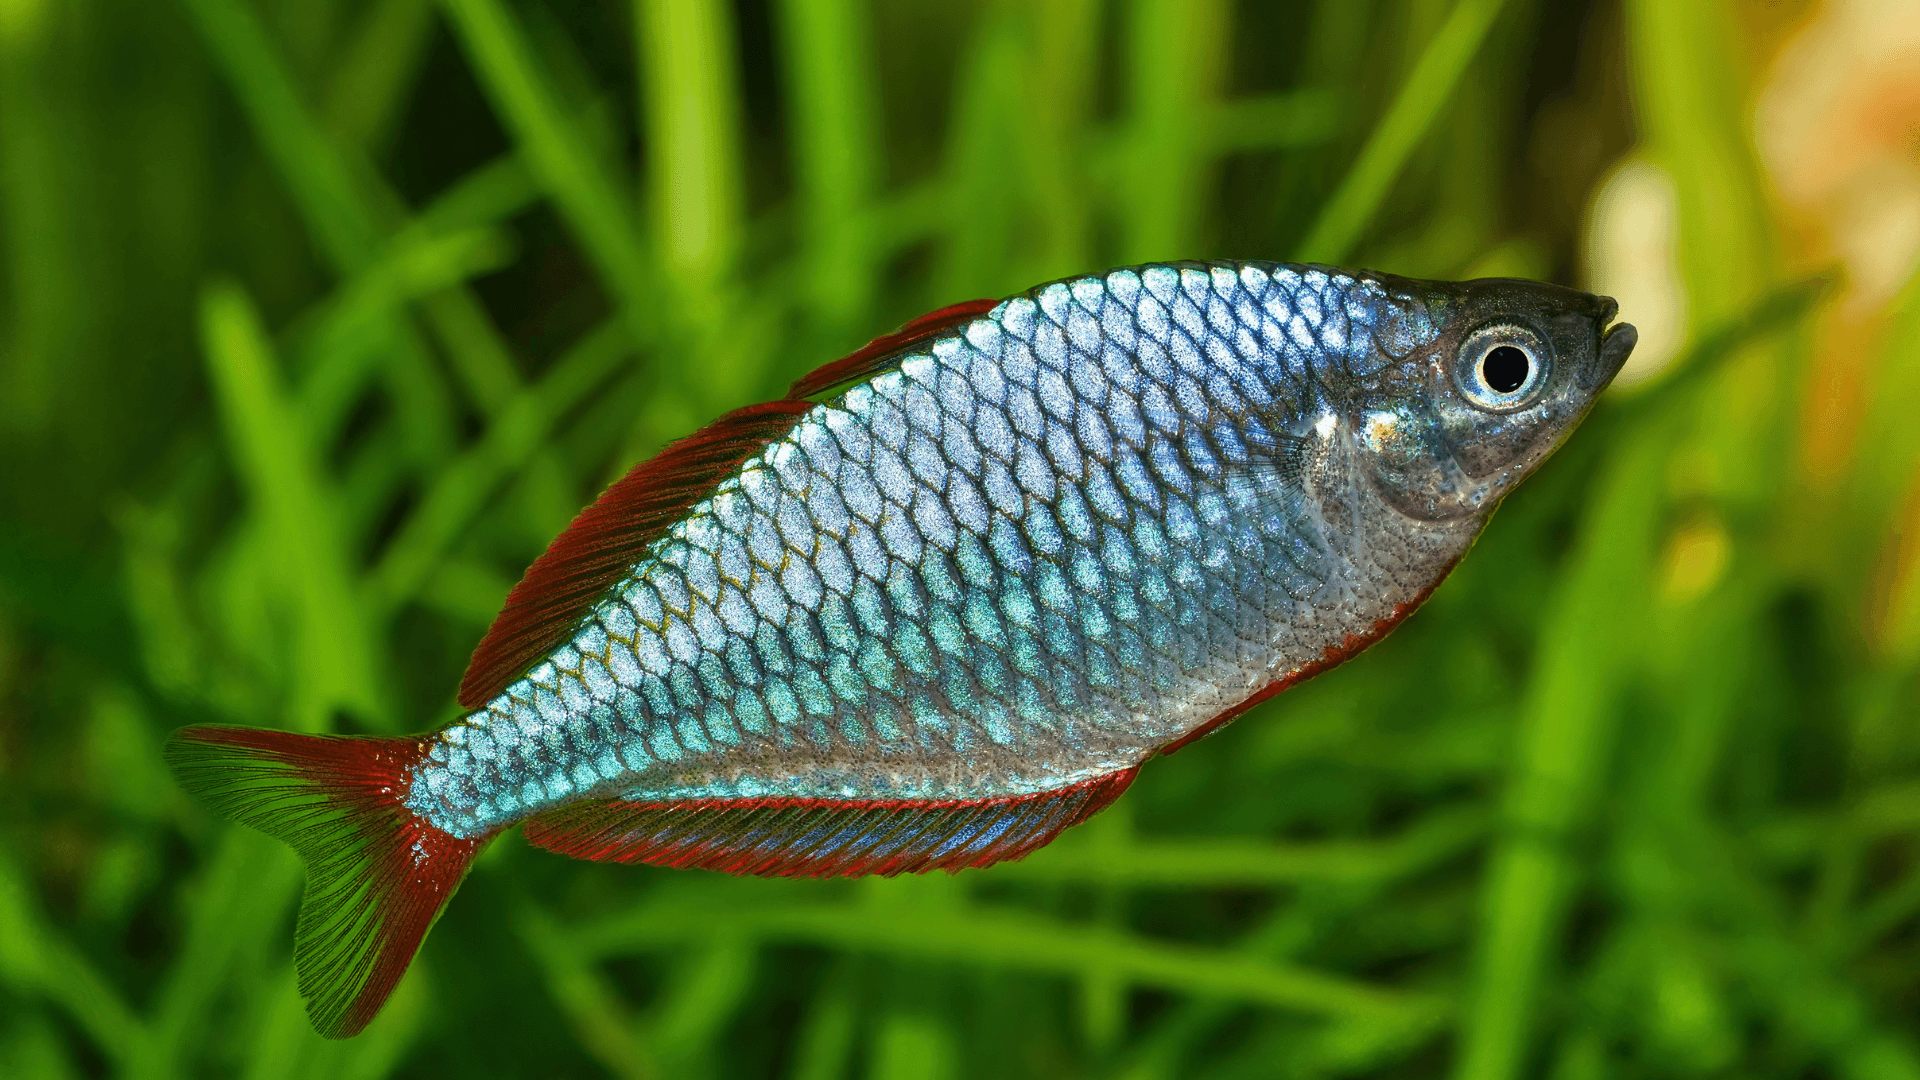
{"points": [[377, 874]]}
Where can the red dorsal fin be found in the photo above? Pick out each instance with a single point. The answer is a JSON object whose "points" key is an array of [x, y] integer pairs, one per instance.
{"points": [[821, 838], [608, 537], [879, 352]]}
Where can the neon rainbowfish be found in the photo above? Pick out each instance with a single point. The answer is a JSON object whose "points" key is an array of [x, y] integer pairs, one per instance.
{"points": [[943, 599]]}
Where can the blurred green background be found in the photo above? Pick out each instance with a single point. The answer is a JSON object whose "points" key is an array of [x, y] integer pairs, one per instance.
{"points": [[318, 318]]}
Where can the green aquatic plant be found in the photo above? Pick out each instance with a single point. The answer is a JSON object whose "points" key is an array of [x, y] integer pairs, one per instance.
{"points": [[318, 319]]}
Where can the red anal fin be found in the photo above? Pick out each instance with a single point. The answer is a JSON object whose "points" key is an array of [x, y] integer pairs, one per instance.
{"points": [[1333, 657], [821, 838], [377, 874], [608, 537], [877, 354]]}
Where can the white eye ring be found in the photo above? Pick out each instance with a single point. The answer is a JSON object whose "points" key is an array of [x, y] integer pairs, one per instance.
{"points": [[1502, 368]]}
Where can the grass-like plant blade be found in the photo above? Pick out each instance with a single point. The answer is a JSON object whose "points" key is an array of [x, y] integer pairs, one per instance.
{"points": [[1564, 737], [346, 342], [1273, 122], [244, 895], [33, 1050], [1345, 216], [913, 1045], [1176, 60], [827, 1032], [285, 1047], [36, 960], [460, 490], [830, 76], [323, 185], [978, 225], [704, 989], [593, 1008], [1881, 489], [379, 63], [313, 173], [338, 208], [685, 53], [332, 652], [488, 195], [1063, 73], [589, 201], [1011, 941], [1214, 864], [1685, 60]]}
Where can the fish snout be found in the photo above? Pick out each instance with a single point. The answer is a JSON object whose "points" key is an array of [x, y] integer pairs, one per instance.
{"points": [[1616, 344]]}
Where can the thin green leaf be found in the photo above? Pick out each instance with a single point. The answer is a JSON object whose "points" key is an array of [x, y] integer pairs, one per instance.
{"points": [[1195, 864], [243, 897], [1345, 216], [593, 1007], [1273, 122], [1565, 732], [685, 51], [830, 76], [1176, 63], [345, 344], [587, 199], [463, 487], [37, 960], [334, 654], [1012, 941], [383, 56], [313, 172], [324, 187]]}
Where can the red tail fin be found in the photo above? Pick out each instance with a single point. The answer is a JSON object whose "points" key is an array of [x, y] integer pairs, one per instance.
{"points": [[377, 874]]}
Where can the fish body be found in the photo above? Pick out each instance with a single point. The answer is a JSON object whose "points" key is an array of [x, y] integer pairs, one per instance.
{"points": [[944, 599]]}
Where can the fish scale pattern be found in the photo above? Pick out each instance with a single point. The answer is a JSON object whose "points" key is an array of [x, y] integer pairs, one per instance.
{"points": [[1028, 555]]}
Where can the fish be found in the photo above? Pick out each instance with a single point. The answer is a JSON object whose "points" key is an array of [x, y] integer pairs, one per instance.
{"points": [[946, 597]]}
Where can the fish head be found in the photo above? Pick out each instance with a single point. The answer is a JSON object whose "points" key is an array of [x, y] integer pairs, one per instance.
{"points": [[1477, 382]]}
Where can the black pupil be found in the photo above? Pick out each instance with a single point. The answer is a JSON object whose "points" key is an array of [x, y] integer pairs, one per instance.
{"points": [[1506, 369]]}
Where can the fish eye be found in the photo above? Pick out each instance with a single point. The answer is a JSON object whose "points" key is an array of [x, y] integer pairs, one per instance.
{"points": [[1502, 368]]}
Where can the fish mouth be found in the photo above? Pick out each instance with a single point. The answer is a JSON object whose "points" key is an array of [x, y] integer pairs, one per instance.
{"points": [[1616, 344]]}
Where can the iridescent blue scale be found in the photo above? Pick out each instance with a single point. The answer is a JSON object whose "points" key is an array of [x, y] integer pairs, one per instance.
{"points": [[1031, 554]]}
